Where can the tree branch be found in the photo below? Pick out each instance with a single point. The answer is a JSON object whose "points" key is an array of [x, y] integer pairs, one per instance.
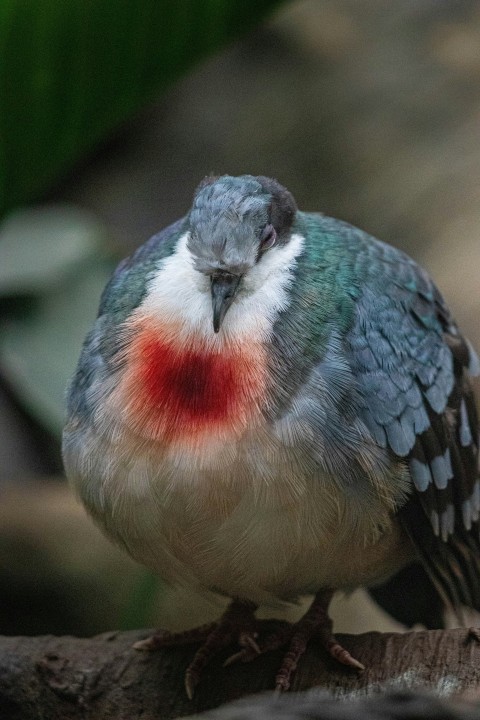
{"points": [[104, 678]]}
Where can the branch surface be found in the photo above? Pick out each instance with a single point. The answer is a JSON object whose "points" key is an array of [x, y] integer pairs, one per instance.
{"points": [[102, 678]]}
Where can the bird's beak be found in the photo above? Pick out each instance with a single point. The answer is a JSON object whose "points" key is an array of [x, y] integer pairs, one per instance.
{"points": [[223, 286]]}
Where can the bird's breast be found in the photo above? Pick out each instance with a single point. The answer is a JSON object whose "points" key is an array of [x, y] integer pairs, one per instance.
{"points": [[179, 388]]}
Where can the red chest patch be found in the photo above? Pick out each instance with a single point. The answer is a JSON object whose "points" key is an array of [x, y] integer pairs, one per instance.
{"points": [[177, 391]]}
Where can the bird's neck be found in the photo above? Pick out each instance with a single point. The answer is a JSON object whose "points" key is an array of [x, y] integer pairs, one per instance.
{"points": [[181, 382]]}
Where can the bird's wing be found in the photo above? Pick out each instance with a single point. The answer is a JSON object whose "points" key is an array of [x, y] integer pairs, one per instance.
{"points": [[413, 368], [122, 294], [127, 286]]}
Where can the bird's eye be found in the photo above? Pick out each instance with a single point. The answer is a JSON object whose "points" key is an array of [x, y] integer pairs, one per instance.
{"points": [[268, 238]]}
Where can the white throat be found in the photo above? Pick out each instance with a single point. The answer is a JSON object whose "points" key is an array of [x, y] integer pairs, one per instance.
{"points": [[180, 295]]}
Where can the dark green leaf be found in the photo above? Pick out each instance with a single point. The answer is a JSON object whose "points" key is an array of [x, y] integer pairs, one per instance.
{"points": [[72, 70]]}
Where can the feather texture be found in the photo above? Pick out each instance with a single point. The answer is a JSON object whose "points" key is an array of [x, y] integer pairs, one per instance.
{"points": [[325, 437], [419, 396]]}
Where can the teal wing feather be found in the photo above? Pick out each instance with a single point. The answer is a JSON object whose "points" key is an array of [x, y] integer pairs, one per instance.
{"points": [[127, 286], [413, 368], [122, 294]]}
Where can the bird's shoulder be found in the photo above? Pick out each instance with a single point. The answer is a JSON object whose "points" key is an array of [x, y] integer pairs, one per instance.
{"points": [[121, 296], [128, 284]]}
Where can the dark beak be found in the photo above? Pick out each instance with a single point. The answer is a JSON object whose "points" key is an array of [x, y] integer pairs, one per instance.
{"points": [[223, 286]]}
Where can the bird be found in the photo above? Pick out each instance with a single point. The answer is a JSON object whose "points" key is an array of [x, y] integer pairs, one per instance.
{"points": [[272, 404]]}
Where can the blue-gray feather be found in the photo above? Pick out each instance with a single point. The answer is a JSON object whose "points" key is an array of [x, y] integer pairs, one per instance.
{"points": [[122, 294], [412, 366]]}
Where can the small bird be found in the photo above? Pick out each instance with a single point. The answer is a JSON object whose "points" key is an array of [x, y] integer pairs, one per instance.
{"points": [[272, 403]]}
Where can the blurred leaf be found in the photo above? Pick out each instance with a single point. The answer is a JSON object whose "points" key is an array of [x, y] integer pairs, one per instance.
{"points": [[72, 70], [38, 353], [40, 247], [139, 610]]}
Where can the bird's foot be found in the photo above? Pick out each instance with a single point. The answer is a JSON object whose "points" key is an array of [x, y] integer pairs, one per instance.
{"points": [[237, 622], [164, 638], [315, 623]]}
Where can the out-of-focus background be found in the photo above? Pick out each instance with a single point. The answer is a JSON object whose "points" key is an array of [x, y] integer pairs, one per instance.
{"points": [[365, 110]]}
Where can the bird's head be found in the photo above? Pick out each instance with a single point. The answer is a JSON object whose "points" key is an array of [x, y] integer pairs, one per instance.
{"points": [[234, 222]]}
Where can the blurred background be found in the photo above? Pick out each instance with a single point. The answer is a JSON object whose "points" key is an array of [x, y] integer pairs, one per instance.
{"points": [[110, 115]]}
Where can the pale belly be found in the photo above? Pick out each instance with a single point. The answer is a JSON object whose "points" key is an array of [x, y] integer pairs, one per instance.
{"points": [[242, 521]]}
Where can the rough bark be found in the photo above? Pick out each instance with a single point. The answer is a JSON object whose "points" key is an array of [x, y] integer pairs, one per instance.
{"points": [[103, 677]]}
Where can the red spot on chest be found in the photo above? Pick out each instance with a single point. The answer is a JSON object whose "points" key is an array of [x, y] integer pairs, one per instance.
{"points": [[200, 387], [180, 390]]}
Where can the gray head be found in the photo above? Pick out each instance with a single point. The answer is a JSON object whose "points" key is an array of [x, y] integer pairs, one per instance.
{"points": [[234, 221]]}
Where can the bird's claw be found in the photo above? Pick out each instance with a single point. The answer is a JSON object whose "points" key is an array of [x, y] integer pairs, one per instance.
{"points": [[191, 682], [236, 657], [250, 650], [148, 644], [249, 641], [343, 656], [165, 638]]}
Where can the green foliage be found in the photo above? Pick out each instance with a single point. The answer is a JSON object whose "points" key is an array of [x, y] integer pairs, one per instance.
{"points": [[70, 72], [140, 606], [73, 70], [53, 267]]}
